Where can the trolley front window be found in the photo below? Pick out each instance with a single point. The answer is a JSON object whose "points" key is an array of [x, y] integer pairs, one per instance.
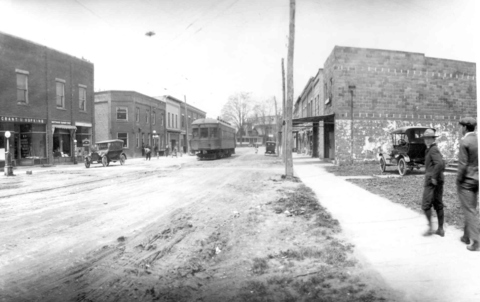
{"points": [[195, 132], [203, 132]]}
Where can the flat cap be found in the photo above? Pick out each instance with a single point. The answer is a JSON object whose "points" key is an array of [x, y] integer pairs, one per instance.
{"points": [[468, 121], [429, 133]]}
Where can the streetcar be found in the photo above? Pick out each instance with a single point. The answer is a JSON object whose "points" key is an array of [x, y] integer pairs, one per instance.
{"points": [[212, 138]]}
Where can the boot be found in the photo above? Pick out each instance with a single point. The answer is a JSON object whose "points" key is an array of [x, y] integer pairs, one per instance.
{"points": [[440, 230], [465, 238], [428, 214], [475, 247]]}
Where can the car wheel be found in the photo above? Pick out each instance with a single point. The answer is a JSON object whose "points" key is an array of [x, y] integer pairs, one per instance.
{"points": [[402, 167], [122, 159], [105, 161], [383, 165], [87, 163]]}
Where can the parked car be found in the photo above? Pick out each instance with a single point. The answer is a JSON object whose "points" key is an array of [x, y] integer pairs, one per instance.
{"points": [[105, 152], [408, 150], [270, 147]]}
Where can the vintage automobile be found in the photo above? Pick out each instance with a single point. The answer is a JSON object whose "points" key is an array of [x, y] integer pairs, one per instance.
{"points": [[105, 152], [270, 147], [408, 150]]}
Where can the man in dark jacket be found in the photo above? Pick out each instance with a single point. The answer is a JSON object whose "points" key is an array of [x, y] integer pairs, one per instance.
{"points": [[467, 181], [433, 185]]}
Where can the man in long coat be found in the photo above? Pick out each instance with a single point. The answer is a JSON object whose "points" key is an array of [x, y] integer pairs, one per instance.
{"points": [[433, 184], [467, 181]]}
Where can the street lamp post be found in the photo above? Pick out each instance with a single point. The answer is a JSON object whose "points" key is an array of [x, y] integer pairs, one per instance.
{"points": [[8, 157], [155, 136], [74, 152]]}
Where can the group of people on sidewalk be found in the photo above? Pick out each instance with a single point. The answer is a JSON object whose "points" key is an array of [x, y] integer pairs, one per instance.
{"points": [[467, 183], [148, 152]]}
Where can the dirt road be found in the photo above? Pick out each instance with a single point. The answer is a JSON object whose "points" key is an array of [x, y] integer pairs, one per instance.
{"points": [[165, 230]]}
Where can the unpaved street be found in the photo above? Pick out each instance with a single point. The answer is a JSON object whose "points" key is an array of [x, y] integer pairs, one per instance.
{"points": [[172, 229]]}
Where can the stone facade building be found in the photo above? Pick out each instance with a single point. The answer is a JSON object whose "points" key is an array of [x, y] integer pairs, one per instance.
{"points": [[46, 101], [369, 92], [131, 117]]}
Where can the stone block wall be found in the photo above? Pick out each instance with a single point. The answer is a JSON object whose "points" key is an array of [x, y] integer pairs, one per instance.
{"points": [[373, 136], [392, 89]]}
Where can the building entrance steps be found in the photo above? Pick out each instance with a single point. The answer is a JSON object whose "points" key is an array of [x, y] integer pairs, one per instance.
{"points": [[389, 237]]}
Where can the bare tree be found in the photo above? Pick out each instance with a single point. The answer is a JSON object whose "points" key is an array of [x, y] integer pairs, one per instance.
{"points": [[236, 111], [263, 115]]}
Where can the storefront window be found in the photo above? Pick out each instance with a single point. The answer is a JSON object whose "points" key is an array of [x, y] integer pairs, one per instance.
{"points": [[124, 137], [61, 143], [83, 135]]}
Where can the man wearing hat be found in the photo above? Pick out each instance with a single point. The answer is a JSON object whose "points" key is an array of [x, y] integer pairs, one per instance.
{"points": [[433, 185], [467, 181]]}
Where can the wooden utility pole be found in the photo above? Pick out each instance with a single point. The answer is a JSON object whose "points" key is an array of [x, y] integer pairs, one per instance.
{"points": [[277, 120], [289, 106], [186, 125], [284, 137]]}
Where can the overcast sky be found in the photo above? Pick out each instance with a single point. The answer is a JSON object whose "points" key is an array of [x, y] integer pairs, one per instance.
{"points": [[210, 49]]}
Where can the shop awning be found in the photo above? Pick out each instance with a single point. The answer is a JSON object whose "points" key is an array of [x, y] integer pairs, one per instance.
{"points": [[313, 119], [68, 127]]}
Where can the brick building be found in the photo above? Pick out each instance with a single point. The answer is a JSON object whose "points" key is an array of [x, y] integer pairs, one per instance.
{"points": [[177, 123], [193, 113], [131, 117], [309, 119], [46, 101], [369, 92]]}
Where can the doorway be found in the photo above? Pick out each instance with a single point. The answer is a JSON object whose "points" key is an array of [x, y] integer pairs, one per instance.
{"points": [[329, 147]]}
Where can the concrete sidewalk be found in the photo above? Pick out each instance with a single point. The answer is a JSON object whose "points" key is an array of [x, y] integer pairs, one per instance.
{"points": [[389, 237]]}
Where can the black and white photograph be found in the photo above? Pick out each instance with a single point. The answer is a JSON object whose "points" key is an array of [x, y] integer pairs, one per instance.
{"points": [[239, 150]]}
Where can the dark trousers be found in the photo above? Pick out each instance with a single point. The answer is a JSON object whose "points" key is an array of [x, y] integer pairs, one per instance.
{"points": [[432, 196], [148, 155], [468, 196]]}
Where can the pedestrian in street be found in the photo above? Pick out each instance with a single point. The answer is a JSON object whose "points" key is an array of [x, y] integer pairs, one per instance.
{"points": [[166, 151], [467, 182], [433, 184], [155, 150], [174, 152], [148, 153]]}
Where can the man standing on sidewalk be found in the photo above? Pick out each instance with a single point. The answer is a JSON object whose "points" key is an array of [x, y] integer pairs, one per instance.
{"points": [[433, 185], [467, 181]]}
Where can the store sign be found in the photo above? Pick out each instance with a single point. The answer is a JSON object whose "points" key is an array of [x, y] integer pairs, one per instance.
{"points": [[86, 143], [15, 119], [60, 123], [83, 124]]}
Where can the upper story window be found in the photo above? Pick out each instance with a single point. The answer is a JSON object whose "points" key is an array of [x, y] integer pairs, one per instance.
{"points": [[60, 91], [176, 121], [82, 97], [22, 86], [183, 121], [122, 114], [137, 115], [169, 119], [154, 118], [147, 117]]}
